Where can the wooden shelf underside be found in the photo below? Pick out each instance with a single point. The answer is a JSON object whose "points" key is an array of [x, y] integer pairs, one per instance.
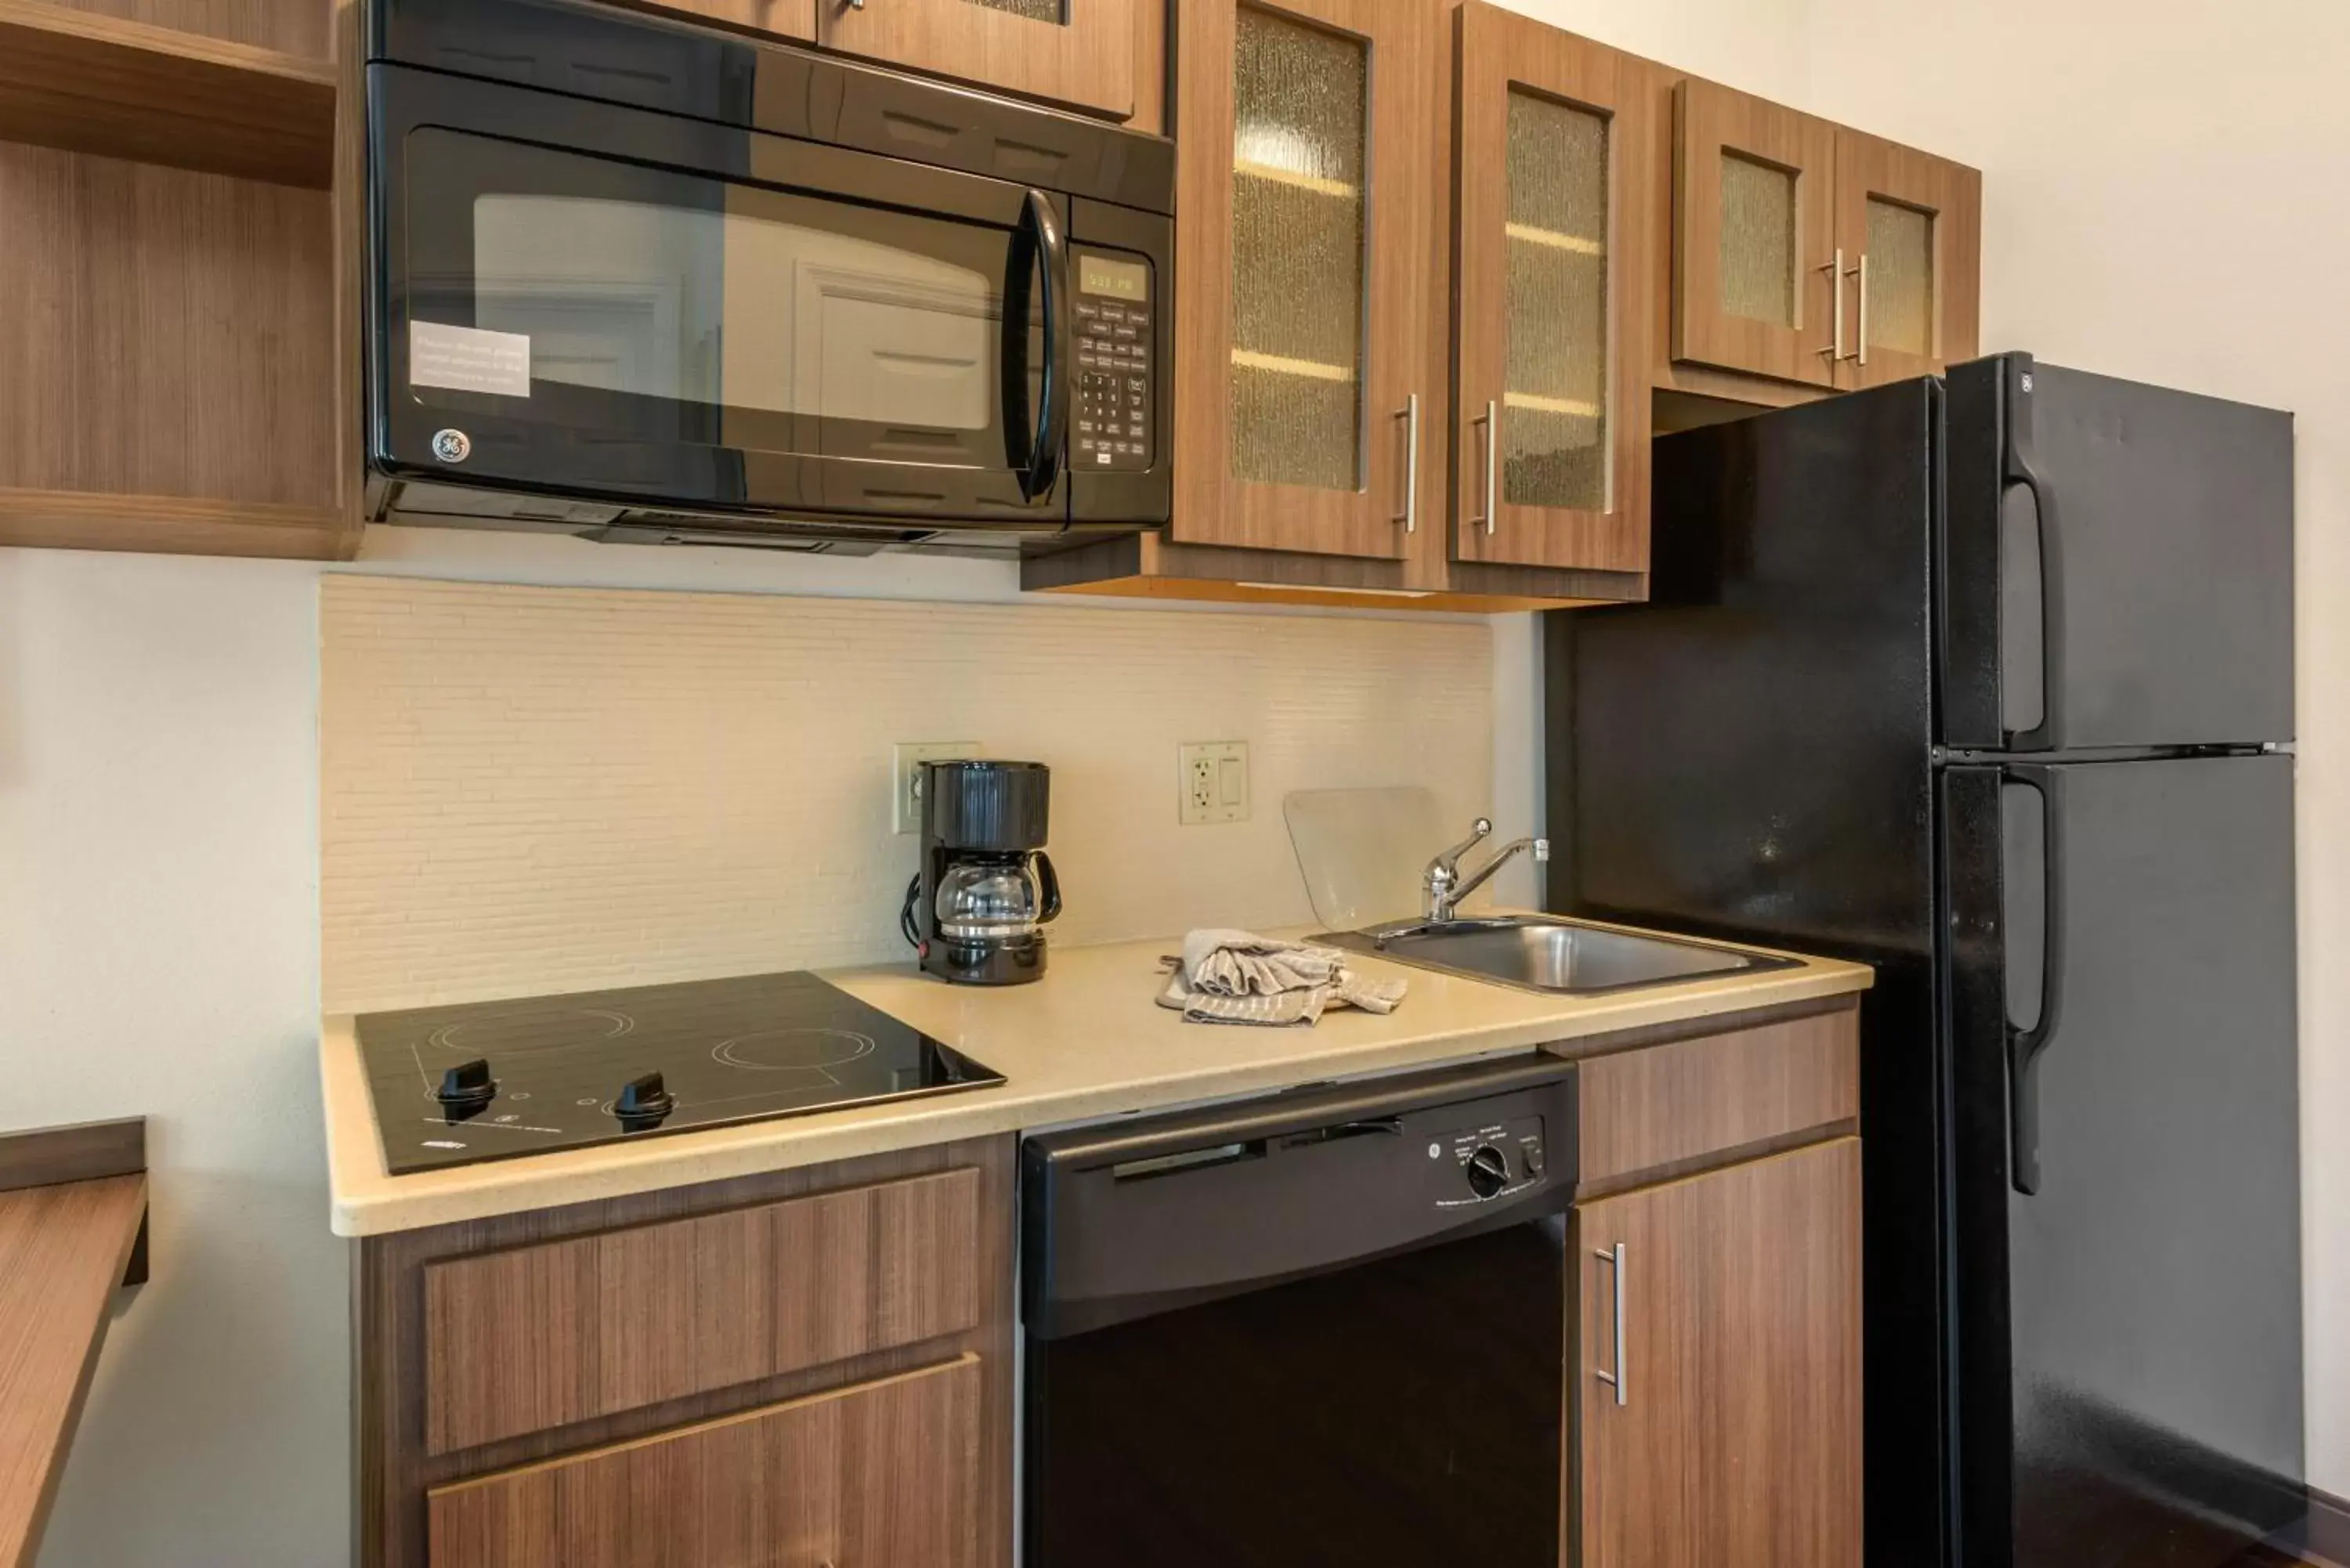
{"points": [[91, 83], [167, 524]]}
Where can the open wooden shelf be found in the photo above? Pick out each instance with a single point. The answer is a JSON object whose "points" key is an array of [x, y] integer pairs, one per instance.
{"points": [[91, 83], [167, 524], [72, 1228]]}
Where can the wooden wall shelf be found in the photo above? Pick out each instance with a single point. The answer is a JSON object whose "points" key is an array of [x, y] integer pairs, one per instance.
{"points": [[93, 83], [167, 524]]}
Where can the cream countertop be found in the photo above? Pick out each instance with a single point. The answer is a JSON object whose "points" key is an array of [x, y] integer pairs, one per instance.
{"points": [[1087, 1041]]}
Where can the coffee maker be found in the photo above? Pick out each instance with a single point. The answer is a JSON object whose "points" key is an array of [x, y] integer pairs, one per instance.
{"points": [[977, 911]]}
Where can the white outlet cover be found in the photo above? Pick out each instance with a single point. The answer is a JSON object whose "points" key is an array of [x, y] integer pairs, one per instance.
{"points": [[906, 759], [1211, 783]]}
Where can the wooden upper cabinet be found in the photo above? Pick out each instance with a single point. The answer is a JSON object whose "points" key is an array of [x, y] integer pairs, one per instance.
{"points": [[885, 1475], [1308, 139], [1726, 1311], [1552, 301], [778, 19], [1754, 258], [1910, 228], [1076, 52]]}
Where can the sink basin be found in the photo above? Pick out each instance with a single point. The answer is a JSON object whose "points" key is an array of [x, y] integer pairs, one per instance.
{"points": [[1540, 953]]}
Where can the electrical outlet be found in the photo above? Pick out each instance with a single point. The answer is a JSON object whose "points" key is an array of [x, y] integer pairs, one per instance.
{"points": [[906, 760], [1213, 778]]}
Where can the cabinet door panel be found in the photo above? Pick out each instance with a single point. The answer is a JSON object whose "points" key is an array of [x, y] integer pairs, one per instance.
{"points": [[1753, 236], [1077, 52], [779, 18], [1910, 227], [1552, 305], [1305, 174], [1737, 1440], [884, 1475], [531, 1338]]}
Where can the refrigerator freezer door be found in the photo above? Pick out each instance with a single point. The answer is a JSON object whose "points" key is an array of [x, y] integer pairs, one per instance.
{"points": [[1749, 751], [2117, 564], [2128, 1350]]}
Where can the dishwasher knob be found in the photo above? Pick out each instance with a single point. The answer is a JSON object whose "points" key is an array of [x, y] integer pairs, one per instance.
{"points": [[1488, 1170]]}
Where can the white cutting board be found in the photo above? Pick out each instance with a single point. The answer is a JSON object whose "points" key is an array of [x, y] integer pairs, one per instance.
{"points": [[1363, 851]]}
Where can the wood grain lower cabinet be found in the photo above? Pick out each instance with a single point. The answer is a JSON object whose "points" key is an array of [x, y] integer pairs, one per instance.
{"points": [[537, 1337], [787, 1370], [883, 1475], [1717, 1345]]}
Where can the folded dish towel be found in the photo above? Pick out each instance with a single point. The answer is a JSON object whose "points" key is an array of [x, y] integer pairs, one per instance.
{"points": [[1236, 976]]}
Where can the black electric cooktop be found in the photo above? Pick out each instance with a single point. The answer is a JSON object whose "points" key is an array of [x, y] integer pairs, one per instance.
{"points": [[493, 1080]]}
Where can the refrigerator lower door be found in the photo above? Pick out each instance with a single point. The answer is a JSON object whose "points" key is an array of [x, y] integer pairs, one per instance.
{"points": [[2116, 563], [2119, 989]]}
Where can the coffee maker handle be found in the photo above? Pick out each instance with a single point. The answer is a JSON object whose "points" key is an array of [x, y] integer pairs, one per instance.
{"points": [[1052, 881]]}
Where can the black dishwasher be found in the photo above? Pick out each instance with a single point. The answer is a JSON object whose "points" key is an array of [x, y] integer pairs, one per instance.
{"points": [[1323, 1328]]}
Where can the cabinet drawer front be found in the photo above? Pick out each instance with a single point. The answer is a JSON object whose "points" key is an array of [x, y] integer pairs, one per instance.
{"points": [[541, 1337], [884, 1475], [1666, 1108]]}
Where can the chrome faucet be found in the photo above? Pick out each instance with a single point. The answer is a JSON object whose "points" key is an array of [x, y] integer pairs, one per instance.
{"points": [[1445, 883]]}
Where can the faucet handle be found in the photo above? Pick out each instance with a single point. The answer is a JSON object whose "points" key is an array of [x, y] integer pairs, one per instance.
{"points": [[1448, 863]]}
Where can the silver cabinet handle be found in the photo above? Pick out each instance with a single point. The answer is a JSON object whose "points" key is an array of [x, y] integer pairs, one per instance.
{"points": [[1409, 415], [1491, 419], [1860, 346], [1835, 269], [1615, 1260]]}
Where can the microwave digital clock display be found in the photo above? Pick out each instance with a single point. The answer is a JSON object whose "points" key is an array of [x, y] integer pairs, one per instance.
{"points": [[1119, 279]]}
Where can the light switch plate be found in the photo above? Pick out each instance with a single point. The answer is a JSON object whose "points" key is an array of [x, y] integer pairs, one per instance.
{"points": [[906, 759], [1212, 776]]}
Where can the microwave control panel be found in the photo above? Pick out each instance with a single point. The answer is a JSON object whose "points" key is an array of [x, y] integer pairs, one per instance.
{"points": [[1116, 412]]}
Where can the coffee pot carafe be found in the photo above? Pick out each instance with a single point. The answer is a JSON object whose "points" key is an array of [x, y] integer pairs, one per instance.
{"points": [[977, 908]]}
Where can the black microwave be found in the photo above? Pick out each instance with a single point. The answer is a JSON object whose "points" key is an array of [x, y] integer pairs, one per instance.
{"points": [[644, 281]]}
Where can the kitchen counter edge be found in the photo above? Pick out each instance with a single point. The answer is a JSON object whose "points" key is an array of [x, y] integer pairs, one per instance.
{"points": [[1050, 1040]]}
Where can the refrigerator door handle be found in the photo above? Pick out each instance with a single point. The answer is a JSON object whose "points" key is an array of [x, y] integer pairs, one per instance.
{"points": [[2025, 1046], [2017, 468]]}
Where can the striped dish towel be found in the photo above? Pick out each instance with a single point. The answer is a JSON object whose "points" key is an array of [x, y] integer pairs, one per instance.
{"points": [[1236, 976]]}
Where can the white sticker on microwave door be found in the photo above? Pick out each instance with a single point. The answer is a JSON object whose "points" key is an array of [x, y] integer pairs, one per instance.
{"points": [[468, 359]]}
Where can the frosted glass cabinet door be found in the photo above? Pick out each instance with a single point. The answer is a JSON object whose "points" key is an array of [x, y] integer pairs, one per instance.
{"points": [[1755, 275], [1910, 226], [1550, 316], [1078, 52], [1305, 179]]}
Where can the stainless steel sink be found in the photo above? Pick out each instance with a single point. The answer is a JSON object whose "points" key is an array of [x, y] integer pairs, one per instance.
{"points": [[1538, 952]]}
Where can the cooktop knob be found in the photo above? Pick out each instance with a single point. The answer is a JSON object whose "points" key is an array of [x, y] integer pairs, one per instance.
{"points": [[644, 1099], [467, 1087], [1488, 1170]]}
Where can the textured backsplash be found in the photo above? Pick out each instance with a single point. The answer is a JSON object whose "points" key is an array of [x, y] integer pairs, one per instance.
{"points": [[532, 789]]}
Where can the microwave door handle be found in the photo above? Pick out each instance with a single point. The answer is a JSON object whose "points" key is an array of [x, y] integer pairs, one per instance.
{"points": [[1044, 224]]}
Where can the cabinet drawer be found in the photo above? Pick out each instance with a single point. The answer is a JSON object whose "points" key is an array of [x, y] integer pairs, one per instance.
{"points": [[884, 1475], [1669, 1108], [541, 1337]]}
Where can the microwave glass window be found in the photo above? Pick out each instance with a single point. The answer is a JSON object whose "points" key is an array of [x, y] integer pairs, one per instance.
{"points": [[669, 306]]}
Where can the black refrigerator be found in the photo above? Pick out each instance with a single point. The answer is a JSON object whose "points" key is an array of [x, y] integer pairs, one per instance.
{"points": [[1987, 680]]}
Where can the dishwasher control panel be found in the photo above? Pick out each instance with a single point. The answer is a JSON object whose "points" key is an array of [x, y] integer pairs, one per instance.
{"points": [[1482, 1163]]}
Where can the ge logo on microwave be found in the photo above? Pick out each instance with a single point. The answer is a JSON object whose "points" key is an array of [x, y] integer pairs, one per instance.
{"points": [[452, 446]]}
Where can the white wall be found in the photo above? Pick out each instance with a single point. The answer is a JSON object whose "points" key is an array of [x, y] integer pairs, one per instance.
{"points": [[2163, 200], [160, 956]]}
